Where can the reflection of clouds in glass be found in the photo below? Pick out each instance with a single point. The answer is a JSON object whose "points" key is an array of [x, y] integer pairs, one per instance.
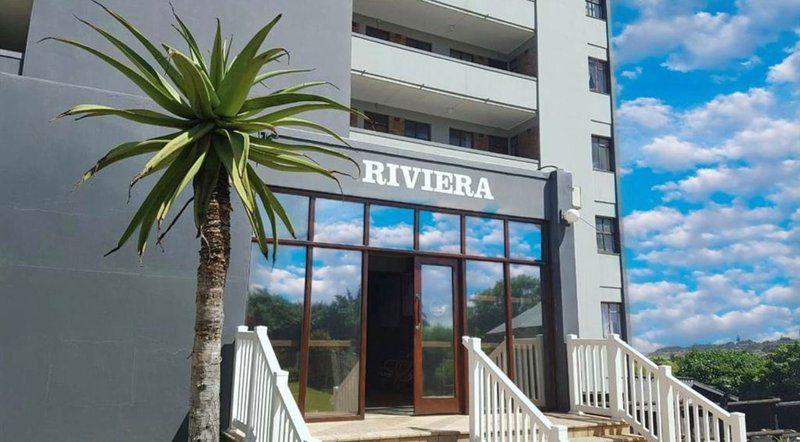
{"points": [[439, 232], [525, 240], [285, 279], [335, 272], [437, 295], [484, 236], [517, 270], [296, 207], [338, 222], [391, 227], [482, 276]]}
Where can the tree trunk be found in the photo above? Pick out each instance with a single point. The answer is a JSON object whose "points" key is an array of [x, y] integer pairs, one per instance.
{"points": [[215, 250]]}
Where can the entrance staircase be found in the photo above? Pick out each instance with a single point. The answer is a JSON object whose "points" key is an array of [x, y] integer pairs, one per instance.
{"points": [[617, 395]]}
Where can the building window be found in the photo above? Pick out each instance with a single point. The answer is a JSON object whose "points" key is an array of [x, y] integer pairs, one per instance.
{"points": [[378, 33], [596, 9], [498, 64], [612, 318], [498, 144], [419, 44], [356, 28], [415, 129], [460, 138], [466, 56], [598, 76], [607, 238], [602, 154], [379, 123]]}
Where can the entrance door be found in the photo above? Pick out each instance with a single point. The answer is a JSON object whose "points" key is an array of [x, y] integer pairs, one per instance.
{"points": [[436, 336]]}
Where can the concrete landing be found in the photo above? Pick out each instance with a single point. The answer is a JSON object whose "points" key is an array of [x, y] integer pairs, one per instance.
{"points": [[453, 428]]}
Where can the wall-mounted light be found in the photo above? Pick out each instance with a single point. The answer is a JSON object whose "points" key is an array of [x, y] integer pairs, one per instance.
{"points": [[570, 216]]}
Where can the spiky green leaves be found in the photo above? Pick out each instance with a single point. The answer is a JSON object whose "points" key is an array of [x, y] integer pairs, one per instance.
{"points": [[207, 101]]}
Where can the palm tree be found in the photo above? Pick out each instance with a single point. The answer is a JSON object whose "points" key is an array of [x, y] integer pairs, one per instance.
{"points": [[210, 109]]}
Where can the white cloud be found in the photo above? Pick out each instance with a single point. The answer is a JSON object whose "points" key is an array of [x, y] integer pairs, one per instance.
{"points": [[670, 153], [788, 70], [650, 113], [692, 39], [633, 74], [730, 111]]}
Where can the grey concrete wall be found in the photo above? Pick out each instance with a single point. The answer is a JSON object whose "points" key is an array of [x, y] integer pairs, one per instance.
{"points": [[10, 62], [320, 44], [98, 346], [93, 348], [566, 38]]}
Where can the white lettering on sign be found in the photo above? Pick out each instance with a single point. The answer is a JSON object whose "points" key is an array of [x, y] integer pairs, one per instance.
{"points": [[394, 175]]}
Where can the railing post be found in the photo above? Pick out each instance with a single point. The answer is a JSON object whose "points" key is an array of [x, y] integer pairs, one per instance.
{"points": [[238, 388], [473, 344], [666, 411], [738, 427], [615, 387], [280, 377], [559, 433], [572, 365], [256, 347]]}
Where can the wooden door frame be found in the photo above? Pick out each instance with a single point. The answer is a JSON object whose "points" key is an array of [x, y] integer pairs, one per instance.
{"points": [[454, 405]]}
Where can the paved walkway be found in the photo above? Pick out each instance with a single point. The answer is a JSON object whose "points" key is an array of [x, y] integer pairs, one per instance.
{"points": [[441, 427]]}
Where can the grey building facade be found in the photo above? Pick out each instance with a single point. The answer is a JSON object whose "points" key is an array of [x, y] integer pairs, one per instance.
{"points": [[95, 348]]}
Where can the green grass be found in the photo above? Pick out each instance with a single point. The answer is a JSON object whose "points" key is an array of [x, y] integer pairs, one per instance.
{"points": [[316, 400]]}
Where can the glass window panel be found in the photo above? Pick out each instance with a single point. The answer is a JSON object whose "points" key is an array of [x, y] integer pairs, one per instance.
{"points": [[439, 232], [276, 295], [296, 207], [334, 346], [486, 308], [612, 318], [528, 330], [485, 236], [436, 299], [525, 240], [391, 227], [338, 222]]}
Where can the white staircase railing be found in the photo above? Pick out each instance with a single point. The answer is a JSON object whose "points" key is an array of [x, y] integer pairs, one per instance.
{"points": [[609, 377], [528, 366], [499, 410], [263, 408]]}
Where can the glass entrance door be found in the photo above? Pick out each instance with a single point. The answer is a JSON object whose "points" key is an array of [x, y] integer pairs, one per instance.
{"points": [[437, 385]]}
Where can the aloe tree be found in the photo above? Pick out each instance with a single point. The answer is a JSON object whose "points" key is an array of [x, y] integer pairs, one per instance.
{"points": [[208, 109]]}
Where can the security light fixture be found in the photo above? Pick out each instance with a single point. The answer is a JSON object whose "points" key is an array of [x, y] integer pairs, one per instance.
{"points": [[570, 216]]}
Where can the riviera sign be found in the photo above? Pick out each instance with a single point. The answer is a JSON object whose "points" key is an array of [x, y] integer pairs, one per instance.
{"points": [[427, 180]]}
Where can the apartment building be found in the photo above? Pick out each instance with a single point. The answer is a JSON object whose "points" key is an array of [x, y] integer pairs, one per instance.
{"points": [[488, 122]]}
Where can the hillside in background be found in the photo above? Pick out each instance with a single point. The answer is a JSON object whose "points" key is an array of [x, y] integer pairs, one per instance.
{"points": [[750, 346]]}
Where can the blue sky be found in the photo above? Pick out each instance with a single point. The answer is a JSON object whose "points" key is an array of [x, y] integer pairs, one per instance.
{"points": [[708, 119]]}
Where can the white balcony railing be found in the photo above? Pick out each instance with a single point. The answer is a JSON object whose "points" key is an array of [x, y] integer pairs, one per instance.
{"points": [[501, 26], [263, 408], [498, 410], [407, 78], [608, 377], [528, 365]]}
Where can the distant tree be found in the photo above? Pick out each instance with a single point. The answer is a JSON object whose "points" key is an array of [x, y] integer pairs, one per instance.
{"points": [[733, 371], [782, 378]]}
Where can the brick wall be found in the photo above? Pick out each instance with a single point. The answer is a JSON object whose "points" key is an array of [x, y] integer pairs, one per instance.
{"points": [[525, 63], [528, 144], [397, 125]]}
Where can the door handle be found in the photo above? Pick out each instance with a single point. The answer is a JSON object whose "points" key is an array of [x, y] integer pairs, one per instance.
{"points": [[417, 327]]}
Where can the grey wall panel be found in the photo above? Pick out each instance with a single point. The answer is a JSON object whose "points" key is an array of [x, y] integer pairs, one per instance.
{"points": [[516, 192], [320, 44], [93, 348]]}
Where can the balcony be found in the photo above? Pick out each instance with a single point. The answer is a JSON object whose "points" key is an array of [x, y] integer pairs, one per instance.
{"points": [[497, 25], [10, 62], [407, 78]]}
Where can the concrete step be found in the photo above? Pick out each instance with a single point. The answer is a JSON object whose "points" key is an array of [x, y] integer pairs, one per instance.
{"points": [[581, 426], [625, 438]]}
